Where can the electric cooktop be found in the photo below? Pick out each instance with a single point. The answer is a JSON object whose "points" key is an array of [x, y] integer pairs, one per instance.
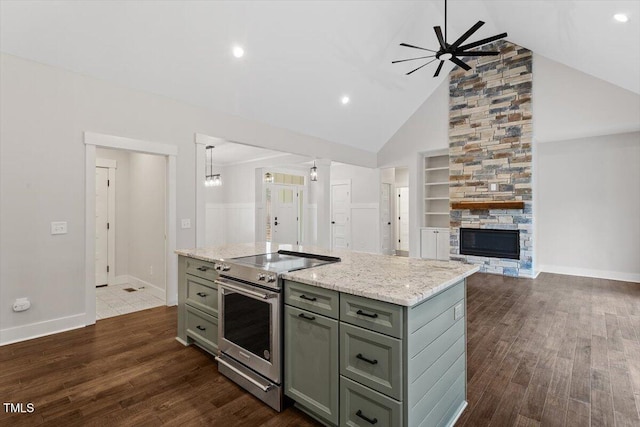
{"points": [[284, 261]]}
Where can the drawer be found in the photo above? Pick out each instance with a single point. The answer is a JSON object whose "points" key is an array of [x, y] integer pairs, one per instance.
{"points": [[202, 328], [318, 300], [372, 359], [201, 268], [202, 294], [361, 406], [378, 316]]}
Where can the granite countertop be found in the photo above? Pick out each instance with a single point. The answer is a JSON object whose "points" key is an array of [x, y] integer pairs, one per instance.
{"points": [[398, 280]]}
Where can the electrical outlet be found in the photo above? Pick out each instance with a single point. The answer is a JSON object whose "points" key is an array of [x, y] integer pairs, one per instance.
{"points": [[458, 312], [493, 186], [59, 227], [186, 223]]}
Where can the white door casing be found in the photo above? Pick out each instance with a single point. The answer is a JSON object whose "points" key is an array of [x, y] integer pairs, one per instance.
{"points": [[402, 195], [385, 218], [340, 210], [284, 200], [102, 225]]}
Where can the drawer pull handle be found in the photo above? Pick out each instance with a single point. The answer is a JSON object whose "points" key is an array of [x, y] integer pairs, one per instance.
{"points": [[361, 357], [201, 294], [367, 419], [362, 313], [201, 328], [303, 296], [304, 316], [203, 268]]}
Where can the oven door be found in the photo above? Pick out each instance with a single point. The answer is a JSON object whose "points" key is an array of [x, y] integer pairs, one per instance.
{"points": [[249, 326]]}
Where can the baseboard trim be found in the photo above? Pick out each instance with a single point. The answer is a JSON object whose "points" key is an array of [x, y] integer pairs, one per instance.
{"points": [[155, 291], [586, 272], [457, 415], [41, 329], [181, 341]]}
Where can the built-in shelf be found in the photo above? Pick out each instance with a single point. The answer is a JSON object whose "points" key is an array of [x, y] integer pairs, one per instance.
{"points": [[493, 204], [436, 190]]}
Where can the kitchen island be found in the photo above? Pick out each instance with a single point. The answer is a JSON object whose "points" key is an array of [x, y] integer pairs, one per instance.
{"points": [[371, 340]]}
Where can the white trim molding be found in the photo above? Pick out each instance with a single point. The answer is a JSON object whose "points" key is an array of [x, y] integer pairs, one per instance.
{"points": [[129, 144], [41, 329], [587, 272]]}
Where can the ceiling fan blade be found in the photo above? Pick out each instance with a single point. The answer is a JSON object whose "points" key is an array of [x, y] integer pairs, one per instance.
{"points": [[439, 68], [419, 67], [460, 63], [417, 47], [483, 41], [443, 44], [479, 53], [468, 34], [411, 59]]}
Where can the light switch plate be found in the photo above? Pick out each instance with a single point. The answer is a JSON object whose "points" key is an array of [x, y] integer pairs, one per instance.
{"points": [[59, 227], [186, 223], [493, 186], [458, 312]]}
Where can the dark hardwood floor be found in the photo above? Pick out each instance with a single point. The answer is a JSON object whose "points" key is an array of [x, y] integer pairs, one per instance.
{"points": [[555, 351]]}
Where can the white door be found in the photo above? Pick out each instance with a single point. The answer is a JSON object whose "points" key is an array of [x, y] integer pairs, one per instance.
{"points": [[403, 219], [443, 244], [285, 214], [340, 204], [385, 218], [102, 221]]}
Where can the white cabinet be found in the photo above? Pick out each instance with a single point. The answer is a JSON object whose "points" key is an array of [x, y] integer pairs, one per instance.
{"points": [[434, 243]]}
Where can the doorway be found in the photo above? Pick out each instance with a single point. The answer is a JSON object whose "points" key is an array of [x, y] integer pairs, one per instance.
{"points": [[167, 266], [402, 221], [385, 219], [340, 214]]}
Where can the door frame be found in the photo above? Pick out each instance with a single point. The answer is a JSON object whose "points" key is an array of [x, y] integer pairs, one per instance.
{"points": [[340, 182], [111, 165], [397, 221], [170, 152], [390, 250]]}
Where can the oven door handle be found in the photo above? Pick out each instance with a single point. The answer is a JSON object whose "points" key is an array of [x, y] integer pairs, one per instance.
{"points": [[262, 387], [241, 290]]}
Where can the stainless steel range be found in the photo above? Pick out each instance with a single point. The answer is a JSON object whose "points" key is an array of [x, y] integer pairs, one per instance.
{"points": [[250, 319]]}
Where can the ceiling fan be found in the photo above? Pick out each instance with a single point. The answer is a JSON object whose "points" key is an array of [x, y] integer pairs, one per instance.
{"points": [[452, 51]]}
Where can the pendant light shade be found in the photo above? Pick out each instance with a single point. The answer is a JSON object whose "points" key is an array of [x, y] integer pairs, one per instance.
{"points": [[313, 172], [268, 178], [211, 179]]}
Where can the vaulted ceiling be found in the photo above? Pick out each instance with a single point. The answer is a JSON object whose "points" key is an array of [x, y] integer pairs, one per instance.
{"points": [[302, 57]]}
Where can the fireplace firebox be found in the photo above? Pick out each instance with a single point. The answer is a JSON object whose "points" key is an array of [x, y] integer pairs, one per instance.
{"points": [[490, 243]]}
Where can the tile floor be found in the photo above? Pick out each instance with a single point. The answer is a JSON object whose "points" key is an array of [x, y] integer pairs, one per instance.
{"points": [[113, 300]]}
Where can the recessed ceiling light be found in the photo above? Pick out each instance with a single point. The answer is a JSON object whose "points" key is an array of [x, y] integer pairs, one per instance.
{"points": [[620, 17], [345, 100], [238, 52]]}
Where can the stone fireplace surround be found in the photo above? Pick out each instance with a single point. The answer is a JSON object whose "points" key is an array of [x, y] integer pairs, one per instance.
{"points": [[490, 142]]}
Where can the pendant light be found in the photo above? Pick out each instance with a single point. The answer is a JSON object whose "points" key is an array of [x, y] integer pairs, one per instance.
{"points": [[268, 177], [313, 172], [211, 179]]}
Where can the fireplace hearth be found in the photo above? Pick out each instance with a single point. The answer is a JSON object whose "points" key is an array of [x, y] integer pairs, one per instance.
{"points": [[490, 243]]}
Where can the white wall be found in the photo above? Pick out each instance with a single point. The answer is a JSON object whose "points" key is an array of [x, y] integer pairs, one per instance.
{"points": [[364, 208], [44, 111], [589, 206], [147, 178]]}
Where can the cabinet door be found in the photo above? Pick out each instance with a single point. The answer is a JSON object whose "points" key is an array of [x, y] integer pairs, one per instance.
{"points": [[442, 237], [311, 362], [428, 243]]}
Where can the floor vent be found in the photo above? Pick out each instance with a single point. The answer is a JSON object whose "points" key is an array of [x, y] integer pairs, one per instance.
{"points": [[129, 289]]}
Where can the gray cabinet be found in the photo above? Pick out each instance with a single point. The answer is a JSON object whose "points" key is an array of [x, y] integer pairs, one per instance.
{"points": [[197, 303], [398, 366], [311, 362]]}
